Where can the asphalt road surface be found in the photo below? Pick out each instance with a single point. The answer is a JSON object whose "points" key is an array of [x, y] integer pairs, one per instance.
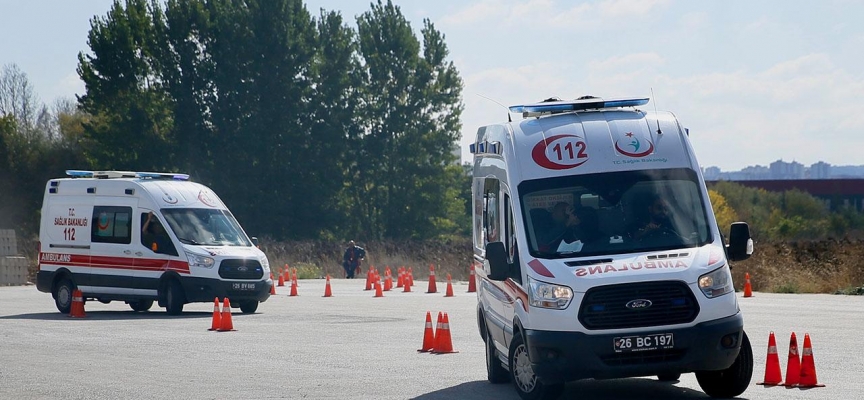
{"points": [[353, 346]]}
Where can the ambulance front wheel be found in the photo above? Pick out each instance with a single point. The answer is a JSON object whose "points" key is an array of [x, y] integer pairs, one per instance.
{"points": [[731, 381], [249, 307], [174, 298], [63, 295], [522, 374]]}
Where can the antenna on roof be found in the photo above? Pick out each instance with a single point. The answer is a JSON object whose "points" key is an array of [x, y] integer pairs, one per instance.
{"points": [[659, 132], [505, 107]]}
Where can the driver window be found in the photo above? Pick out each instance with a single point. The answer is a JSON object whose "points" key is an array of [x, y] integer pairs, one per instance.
{"points": [[491, 221], [510, 241], [154, 236]]}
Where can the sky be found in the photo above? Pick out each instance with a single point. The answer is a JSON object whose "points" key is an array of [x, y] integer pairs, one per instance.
{"points": [[754, 81]]}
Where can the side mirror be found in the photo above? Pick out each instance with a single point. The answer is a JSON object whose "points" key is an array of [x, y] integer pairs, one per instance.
{"points": [[255, 241], [740, 242], [497, 257]]}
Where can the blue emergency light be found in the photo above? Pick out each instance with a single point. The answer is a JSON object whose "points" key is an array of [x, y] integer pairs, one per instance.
{"points": [[74, 173], [162, 175], [583, 103]]}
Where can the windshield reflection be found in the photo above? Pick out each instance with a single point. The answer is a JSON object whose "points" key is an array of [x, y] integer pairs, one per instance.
{"points": [[613, 213], [205, 227]]}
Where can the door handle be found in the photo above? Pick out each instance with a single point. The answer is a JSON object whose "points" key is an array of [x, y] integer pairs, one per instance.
{"points": [[127, 251], [138, 253]]}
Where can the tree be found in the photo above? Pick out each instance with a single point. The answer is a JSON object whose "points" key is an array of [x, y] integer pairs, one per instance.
{"points": [[18, 100], [724, 213], [411, 122]]}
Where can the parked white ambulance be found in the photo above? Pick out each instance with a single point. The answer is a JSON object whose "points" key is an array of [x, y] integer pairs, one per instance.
{"points": [[598, 254], [141, 237]]}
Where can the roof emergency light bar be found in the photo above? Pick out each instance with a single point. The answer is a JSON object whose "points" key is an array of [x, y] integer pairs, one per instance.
{"points": [[126, 174], [553, 106]]}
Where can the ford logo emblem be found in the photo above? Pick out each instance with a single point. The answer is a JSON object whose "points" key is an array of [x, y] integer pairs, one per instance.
{"points": [[638, 304], [242, 268]]}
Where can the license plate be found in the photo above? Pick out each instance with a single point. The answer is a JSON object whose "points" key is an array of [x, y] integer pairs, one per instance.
{"points": [[243, 286], [643, 343]]}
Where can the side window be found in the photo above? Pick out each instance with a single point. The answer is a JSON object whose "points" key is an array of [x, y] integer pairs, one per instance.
{"points": [[491, 207], [510, 241], [111, 224]]}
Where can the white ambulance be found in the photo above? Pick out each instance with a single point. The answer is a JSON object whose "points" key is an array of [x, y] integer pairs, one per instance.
{"points": [[598, 254], [141, 237]]}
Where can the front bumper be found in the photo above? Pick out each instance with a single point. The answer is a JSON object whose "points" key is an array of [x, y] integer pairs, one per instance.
{"points": [[567, 356], [205, 289]]}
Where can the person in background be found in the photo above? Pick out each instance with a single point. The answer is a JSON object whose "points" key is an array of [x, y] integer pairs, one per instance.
{"points": [[351, 259]]}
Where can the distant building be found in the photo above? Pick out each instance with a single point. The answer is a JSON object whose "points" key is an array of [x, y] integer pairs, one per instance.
{"points": [[783, 170], [711, 173], [820, 170]]}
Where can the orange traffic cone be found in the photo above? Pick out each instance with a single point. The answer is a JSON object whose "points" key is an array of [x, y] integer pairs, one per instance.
{"points": [[378, 292], [748, 290], [410, 276], [439, 323], [428, 335], [226, 324], [772, 366], [286, 274], [327, 291], [272, 290], [295, 278], [368, 279], [449, 292], [808, 366], [388, 283], [433, 288], [472, 283], [77, 309], [293, 287], [793, 366], [401, 276], [406, 285], [281, 280], [444, 343], [217, 316]]}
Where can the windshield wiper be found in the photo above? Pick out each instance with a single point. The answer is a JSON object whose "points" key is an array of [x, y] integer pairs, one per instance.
{"points": [[188, 241]]}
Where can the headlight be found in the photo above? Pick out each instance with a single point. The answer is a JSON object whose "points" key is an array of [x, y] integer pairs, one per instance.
{"points": [[265, 264], [547, 295], [716, 283], [196, 260]]}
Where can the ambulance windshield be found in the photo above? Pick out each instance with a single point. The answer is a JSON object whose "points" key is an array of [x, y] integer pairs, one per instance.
{"points": [[205, 227], [615, 212]]}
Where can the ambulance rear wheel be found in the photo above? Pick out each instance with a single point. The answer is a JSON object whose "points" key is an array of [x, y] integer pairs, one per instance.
{"points": [[174, 298], [522, 374], [495, 372], [63, 295], [731, 381], [249, 307], [141, 305]]}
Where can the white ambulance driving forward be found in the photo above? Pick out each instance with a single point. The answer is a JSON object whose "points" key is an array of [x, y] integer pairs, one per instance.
{"points": [[141, 237], [598, 252]]}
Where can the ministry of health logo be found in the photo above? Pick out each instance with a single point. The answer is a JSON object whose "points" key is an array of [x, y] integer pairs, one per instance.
{"points": [[634, 146]]}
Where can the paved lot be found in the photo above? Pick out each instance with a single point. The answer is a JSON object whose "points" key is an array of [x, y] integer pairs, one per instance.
{"points": [[351, 346]]}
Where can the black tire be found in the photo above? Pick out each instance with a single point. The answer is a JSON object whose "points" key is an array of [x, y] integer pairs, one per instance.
{"points": [[668, 377], [174, 298], [249, 307], [141, 305], [495, 371], [522, 374], [731, 381], [63, 295]]}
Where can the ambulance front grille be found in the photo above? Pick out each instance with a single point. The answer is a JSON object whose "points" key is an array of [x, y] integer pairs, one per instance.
{"points": [[605, 307], [240, 269]]}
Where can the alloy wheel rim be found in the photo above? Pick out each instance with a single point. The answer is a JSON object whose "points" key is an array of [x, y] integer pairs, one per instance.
{"points": [[522, 371]]}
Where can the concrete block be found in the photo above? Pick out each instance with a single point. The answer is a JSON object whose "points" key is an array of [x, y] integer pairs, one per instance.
{"points": [[8, 243], [13, 271]]}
